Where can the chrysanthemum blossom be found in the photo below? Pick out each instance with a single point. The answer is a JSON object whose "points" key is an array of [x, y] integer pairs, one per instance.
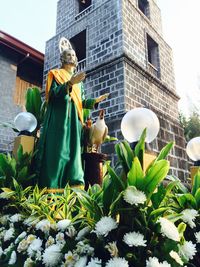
{"points": [[154, 262], [174, 255], [134, 239], [52, 256], [43, 225], [197, 235], [94, 262], [188, 216], [63, 224], [81, 262], [169, 229], [105, 225], [35, 246], [134, 196], [114, 262], [188, 250]]}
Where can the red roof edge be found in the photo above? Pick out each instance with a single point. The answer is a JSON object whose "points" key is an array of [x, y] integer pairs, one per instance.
{"points": [[21, 47]]}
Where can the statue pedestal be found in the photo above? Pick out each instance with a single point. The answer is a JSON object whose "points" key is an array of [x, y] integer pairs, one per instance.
{"points": [[93, 168], [27, 143]]}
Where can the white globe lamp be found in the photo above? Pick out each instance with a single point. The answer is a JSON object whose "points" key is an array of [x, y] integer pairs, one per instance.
{"points": [[135, 121], [25, 123]]}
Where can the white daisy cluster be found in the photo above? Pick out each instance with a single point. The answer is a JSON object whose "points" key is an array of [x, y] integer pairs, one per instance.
{"points": [[134, 239]]}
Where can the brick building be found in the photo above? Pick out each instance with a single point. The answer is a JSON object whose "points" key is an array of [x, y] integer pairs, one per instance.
{"points": [[120, 45], [21, 66]]}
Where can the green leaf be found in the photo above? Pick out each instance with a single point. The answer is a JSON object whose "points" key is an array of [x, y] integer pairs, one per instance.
{"points": [[187, 201], [135, 176], [20, 152], [22, 175], [33, 101], [165, 151], [196, 182], [181, 228], [155, 175], [197, 197], [140, 147], [117, 183]]}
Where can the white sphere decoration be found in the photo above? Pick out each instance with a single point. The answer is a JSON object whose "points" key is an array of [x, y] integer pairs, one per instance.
{"points": [[193, 149], [25, 121], [136, 120]]}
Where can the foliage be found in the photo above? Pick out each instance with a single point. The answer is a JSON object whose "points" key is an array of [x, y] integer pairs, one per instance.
{"points": [[18, 169], [191, 125], [132, 220]]}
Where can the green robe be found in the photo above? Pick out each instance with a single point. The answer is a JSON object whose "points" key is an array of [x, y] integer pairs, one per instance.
{"points": [[60, 142]]}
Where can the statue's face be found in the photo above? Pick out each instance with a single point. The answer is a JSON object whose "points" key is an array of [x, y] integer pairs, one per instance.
{"points": [[69, 57]]}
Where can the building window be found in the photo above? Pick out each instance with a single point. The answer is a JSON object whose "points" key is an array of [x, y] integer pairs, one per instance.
{"points": [[83, 4], [143, 5], [79, 44], [153, 56]]}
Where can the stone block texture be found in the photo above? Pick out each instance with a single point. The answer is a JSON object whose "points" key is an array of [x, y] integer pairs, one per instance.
{"points": [[8, 110], [117, 62]]}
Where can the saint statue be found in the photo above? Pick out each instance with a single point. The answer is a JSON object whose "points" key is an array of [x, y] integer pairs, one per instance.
{"points": [[59, 153]]}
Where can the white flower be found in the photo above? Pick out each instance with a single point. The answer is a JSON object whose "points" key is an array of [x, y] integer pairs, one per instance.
{"points": [[153, 262], [20, 237], [176, 257], [16, 218], [60, 238], [82, 233], [70, 259], [83, 248], [63, 224], [134, 196], [188, 250], [188, 216], [169, 229], [30, 238], [134, 239], [1, 251], [43, 225], [13, 258], [94, 263], [197, 235], [35, 246], [28, 263], [9, 234], [81, 262], [114, 262], [105, 225], [52, 256], [112, 248], [71, 231], [23, 245], [50, 241], [9, 249]]}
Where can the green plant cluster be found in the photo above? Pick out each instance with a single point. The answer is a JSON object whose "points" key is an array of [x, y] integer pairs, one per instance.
{"points": [[132, 220]]}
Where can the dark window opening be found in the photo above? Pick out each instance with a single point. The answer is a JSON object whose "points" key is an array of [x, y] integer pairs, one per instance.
{"points": [[79, 44], [153, 55], [83, 4], [144, 7]]}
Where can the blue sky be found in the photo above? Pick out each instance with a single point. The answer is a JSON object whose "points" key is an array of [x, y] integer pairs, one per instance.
{"points": [[34, 22]]}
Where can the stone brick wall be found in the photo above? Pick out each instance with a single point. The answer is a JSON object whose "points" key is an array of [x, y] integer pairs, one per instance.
{"points": [[8, 110]]}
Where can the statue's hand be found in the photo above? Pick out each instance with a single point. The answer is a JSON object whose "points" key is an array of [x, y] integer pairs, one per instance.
{"points": [[101, 98], [77, 78]]}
